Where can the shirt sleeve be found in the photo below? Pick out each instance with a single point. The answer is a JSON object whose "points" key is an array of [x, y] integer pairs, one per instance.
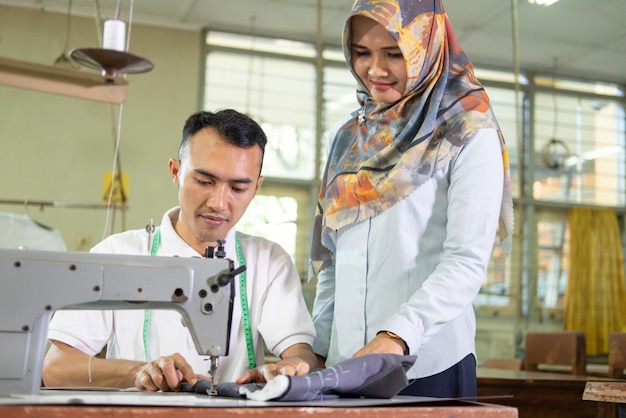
{"points": [[323, 310], [86, 330], [474, 198]]}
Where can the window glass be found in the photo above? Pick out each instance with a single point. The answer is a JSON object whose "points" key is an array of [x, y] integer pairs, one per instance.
{"points": [[280, 213], [484, 74], [579, 150], [552, 260], [279, 93], [340, 100], [497, 288], [503, 105], [272, 217], [260, 44], [339, 94]]}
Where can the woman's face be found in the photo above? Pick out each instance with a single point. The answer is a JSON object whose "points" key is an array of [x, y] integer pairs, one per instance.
{"points": [[377, 60]]}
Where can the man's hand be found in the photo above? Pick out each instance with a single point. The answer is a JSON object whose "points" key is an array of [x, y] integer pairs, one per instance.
{"points": [[165, 374], [288, 367], [66, 366], [297, 360]]}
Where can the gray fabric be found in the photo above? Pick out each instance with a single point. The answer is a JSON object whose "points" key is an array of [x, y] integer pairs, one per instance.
{"points": [[227, 389], [233, 390], [373, 376]]}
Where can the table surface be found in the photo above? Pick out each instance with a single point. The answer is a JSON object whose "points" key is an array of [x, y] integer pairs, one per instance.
{"points": [[478, 410], [542, 394], [95, 404]]}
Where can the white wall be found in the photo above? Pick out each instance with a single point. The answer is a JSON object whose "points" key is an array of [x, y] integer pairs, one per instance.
{"points": [[57, 148]]}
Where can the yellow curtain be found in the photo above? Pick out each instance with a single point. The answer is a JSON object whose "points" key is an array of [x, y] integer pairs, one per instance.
{"points": [[595, 297]]}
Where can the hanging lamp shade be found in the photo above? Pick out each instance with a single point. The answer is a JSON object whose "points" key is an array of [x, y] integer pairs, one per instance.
{"points": [[111, 62]]}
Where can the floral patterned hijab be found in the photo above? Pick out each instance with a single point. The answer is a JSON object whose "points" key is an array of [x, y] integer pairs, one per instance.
{"points": [[386, 151]]}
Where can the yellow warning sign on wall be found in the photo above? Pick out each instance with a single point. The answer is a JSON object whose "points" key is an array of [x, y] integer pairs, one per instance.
{"points": [[116, 189]]}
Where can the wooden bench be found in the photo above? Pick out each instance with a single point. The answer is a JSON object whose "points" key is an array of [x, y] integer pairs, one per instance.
{"points": [[617, 355], [563, 348]]}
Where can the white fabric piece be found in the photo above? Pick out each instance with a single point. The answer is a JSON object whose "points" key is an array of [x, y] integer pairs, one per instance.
{"points": [[20, 231], [273, 389], [419, 276], [278, 313]]}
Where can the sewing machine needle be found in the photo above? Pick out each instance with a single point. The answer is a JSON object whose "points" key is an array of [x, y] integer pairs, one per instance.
{"points": [[213, 390]]}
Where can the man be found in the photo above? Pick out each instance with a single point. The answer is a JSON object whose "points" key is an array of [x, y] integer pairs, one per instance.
{"points": [[218, 172]]}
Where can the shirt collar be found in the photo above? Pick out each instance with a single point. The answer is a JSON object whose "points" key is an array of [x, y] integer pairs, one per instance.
{"points": [[173, 245]]}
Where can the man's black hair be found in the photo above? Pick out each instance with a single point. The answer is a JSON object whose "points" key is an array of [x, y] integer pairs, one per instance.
{"points": [[234, 127]]}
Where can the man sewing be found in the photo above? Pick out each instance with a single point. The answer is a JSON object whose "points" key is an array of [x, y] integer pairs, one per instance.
{"points": [[218, 172]]}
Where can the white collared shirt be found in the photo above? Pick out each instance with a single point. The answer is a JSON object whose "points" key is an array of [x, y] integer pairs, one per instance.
{"points": [[278, 313]]}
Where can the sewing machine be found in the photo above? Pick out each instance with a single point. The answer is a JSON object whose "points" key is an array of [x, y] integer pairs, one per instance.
{"points": [[35, 284]]}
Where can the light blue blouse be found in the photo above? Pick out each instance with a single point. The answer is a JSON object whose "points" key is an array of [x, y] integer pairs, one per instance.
{"points": [[415, 269]]}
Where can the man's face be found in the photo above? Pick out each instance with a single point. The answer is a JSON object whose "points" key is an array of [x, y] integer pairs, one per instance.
{"points": [[216, 182]]}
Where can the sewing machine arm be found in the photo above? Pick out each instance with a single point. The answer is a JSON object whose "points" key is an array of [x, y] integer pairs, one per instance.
{"points": [[35, 284]]}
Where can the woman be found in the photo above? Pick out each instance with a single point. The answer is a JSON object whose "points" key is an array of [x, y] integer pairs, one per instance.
{"points": [[416, 185]]}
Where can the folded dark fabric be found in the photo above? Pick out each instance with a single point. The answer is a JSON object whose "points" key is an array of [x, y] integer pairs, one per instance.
{"points": [[373, 376], [201, 386], [233, 390]]}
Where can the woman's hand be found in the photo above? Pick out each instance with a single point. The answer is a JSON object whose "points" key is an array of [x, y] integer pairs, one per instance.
{"points": [[382, 343]]}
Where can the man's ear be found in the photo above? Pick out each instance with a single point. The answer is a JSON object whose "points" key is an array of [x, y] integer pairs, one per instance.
{"points": [[174, 170], [259, 182]]}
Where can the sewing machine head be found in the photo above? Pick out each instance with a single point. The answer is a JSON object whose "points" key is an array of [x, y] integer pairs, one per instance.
{"points": [[34, 284]]}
